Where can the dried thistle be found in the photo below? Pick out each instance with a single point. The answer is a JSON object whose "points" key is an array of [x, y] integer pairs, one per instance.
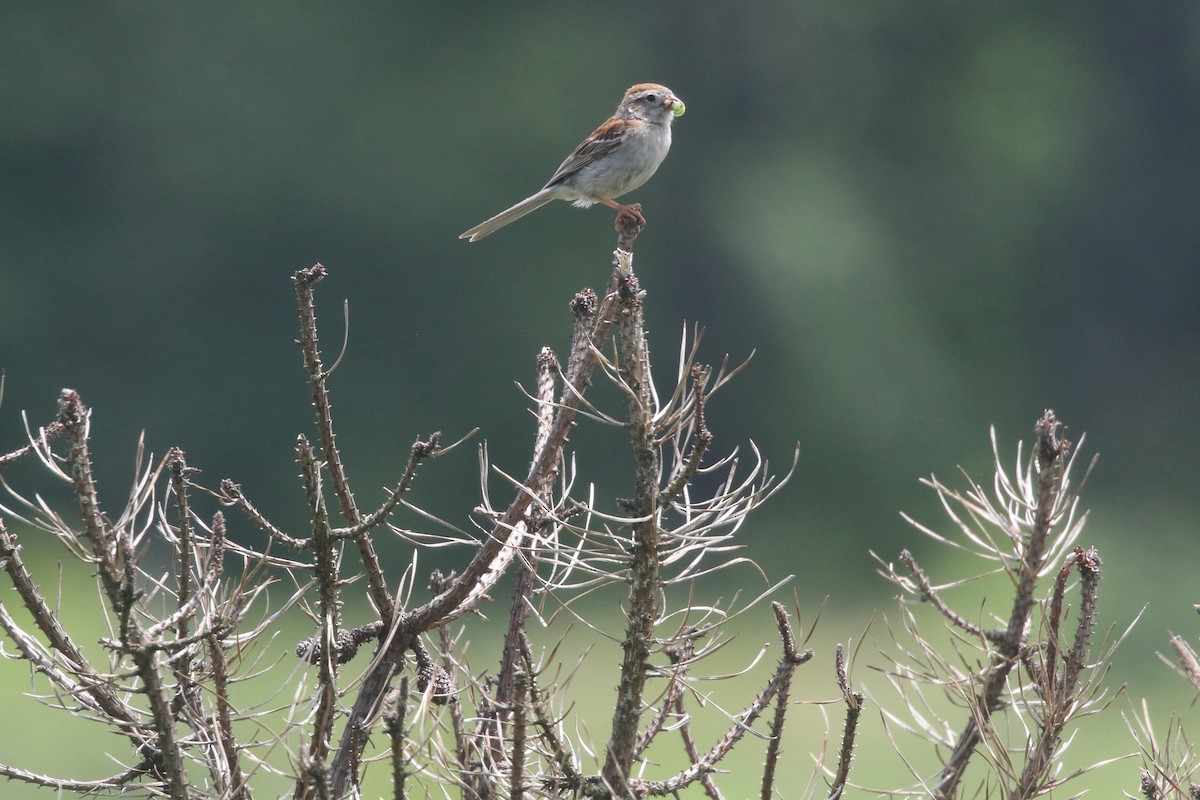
{"points": [[1020, 679], [186, 599]]}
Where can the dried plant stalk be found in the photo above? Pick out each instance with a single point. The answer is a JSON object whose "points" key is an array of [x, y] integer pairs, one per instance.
{"points": [[1027, 528], [181, 641]]}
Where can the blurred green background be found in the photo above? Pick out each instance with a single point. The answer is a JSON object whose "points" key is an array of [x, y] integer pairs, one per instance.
{"points": [[923, 218]]}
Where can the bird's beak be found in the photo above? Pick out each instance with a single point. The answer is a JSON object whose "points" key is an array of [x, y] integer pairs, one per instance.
{"points": [[675, 104]]}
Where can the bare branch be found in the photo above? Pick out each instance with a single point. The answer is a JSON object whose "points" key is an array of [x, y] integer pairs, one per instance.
{"points": [[305, 280]]}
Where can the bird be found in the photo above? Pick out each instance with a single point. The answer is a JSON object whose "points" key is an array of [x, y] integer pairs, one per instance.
{"points": [[617, 158]]}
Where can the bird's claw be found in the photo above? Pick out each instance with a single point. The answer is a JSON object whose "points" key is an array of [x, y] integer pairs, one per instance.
{"points": [[630, 214]]}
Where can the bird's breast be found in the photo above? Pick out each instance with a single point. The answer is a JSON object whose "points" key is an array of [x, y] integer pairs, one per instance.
{"points": [[625, 169]]}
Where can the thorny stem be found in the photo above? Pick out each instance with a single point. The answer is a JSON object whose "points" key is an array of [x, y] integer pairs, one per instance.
{"points": [[643, 580], [214, 732], [774, 743], [854, 704], [793, 658], [1054, 619], [931, 594], [394, 720], [113, 552], [547, 367], [325, 571], [305, 279], [74, 415], [789, 660], [693, 754], [145, 659], [188, 690], [1058, 694], [68, 785], [462, 756], [1088, 563], [517, 762], [547, 733], [73, 675], [51, 431], [92, 690], [232, 493], [1050, 454], [681, 654], [224, 720], [180, 482], [421, 450]]}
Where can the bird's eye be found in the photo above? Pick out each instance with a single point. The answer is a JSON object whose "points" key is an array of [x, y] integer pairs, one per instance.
{"points": [[650, 98]]}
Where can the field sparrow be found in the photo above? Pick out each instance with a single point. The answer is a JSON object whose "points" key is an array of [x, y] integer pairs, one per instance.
{"points": [[617, 158]]}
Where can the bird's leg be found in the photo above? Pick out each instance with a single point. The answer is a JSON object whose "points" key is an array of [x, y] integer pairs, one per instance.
{"points": [[633, 211]]}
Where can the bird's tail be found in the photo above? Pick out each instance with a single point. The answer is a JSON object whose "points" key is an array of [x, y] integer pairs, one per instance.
{"points": [[504, 217]]}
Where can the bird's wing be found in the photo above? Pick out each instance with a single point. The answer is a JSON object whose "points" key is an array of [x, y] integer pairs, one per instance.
{"points": [[603, 141]]}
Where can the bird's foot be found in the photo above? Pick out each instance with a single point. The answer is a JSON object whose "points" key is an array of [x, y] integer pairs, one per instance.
{"points": [[630, 214]]}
